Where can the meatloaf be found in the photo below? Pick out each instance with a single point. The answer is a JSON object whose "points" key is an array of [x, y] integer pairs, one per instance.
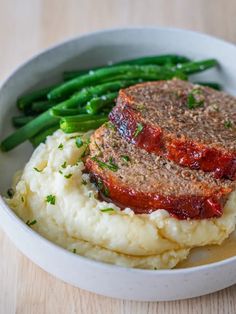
{"points": [[192, 125], [132, 177]]}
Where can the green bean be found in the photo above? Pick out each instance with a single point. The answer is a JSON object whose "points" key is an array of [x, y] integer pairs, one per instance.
{"points": [[76, 124], [41, 106], [41, 136], [25, 101], [70, 75], [196, 66], [82, 117], [97, 103], [61, 112], [107, 110], [21, 120], [43, 121], [213, 85], [158, 60], [96, 77]]}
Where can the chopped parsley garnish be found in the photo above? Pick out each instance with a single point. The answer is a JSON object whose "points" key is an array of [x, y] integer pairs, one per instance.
{"points": [[51, 199], [10, 193], [84, 182], [109, 165], [103, 188], [106, 191], [83, 154], [100, 185], [86, 144], [31, 223], [111, 160], [139, 129], [61, 146], [64, 165], [68, 176], [192, 101], [140, 106], [74, 251], [216, 108], [22, 199], [107, 210], [60, 171], [78, 141], [125, 158], [110, 125], [99, 148], [228, 124], [38, 170]]}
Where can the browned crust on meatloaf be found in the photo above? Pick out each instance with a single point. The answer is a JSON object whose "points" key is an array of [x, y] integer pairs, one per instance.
{"points": [[200, 138], [144, 181]]}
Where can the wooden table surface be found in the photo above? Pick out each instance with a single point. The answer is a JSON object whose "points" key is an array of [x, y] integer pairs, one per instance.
{"points": [[27, 27]]}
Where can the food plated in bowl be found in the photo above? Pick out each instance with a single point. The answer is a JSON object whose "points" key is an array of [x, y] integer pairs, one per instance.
{"points": [[72, 190]]}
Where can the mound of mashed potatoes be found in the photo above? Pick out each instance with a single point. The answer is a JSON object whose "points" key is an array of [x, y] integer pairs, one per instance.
{"points": [[56, 199]]}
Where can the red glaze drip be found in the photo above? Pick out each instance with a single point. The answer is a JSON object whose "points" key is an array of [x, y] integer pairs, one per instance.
{"points": [[149, 138], [182, 152], [181, 207]]}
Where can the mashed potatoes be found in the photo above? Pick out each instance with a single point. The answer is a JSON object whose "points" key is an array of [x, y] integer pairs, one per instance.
{"points": [[54, 191]]}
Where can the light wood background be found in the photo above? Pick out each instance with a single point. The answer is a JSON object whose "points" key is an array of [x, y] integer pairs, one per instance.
{"points": [[28, 26]]}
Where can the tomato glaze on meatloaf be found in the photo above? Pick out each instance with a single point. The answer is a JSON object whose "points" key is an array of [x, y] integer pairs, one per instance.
{"points": [[192, 125], [131, 177]]}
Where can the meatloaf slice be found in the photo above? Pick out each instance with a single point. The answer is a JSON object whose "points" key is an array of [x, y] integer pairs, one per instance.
{"points": [[131, 177], [192, 125]]}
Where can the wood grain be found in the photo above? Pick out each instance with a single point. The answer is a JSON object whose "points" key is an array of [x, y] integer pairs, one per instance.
{"points": [[28, 26]]}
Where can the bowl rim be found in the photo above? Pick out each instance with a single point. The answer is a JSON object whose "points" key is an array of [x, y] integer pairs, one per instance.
{"points": [[60, 43], [16, 219]]}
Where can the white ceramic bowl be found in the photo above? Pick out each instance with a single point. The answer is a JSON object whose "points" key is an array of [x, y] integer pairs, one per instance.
{"points": [[88, 51]]}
